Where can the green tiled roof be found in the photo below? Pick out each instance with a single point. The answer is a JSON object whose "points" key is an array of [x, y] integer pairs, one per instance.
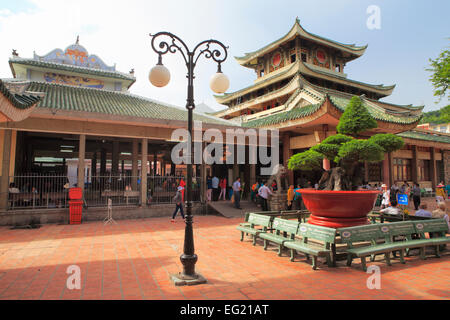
{"points": [[72, 68], [295, 113], [425, 136], [70, 98], [331, 73], [377, 113], [382, 104], [340, 101], [20, 101]]}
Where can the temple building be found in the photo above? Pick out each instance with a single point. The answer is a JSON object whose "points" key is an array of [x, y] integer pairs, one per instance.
{"points": [[301, 89], [68, 119]]}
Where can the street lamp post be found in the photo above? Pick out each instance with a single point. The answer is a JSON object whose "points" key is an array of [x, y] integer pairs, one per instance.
{"points": [[163, 43]]}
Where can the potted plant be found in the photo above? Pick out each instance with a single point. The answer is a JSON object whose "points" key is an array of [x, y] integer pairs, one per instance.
{"points": [[338, 203]]}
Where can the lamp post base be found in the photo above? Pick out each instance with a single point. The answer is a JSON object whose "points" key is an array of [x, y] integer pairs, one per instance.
{"points": [[184, 280]]}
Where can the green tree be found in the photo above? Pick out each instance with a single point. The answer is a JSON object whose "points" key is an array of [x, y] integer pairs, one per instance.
{"points": [[440, 67], [356, 118], [347, 152]]}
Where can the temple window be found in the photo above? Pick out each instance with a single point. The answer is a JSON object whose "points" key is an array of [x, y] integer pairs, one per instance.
{"points": [[338, 68], [293, 58], [304, 57]]}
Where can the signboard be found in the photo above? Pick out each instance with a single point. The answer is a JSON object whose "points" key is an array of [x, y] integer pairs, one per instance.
{"points": [[402, 199]]}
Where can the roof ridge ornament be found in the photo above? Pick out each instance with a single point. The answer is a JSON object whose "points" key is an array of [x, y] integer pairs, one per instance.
{"points": [[78, 40]]}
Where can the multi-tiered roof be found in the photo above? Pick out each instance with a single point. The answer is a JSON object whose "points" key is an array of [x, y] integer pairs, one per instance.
{"points": [[300, 79]]}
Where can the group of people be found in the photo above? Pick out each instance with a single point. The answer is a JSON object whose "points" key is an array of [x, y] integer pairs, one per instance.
{"points": [[216, 188], [389, 202]]}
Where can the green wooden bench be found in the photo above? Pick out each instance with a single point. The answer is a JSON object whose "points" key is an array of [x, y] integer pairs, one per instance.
{"points": [[363, 234], [400, 236], [311, 232], [397, 236], [254, 221], [437, 229], [285, 230]]}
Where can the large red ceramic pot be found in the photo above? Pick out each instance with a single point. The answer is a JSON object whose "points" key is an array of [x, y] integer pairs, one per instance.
{"points": [[339, 209]]}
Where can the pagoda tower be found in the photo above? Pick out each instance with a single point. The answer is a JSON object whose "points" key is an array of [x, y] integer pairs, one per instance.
{"points": [[301, 89]]}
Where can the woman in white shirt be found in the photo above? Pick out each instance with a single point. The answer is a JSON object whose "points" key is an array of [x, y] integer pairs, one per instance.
{"points": [[386, 197]]}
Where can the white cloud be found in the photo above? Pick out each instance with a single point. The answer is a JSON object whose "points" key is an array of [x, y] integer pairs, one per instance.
{"points": [[118, 32]]}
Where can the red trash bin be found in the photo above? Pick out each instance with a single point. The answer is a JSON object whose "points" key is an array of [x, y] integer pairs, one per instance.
{"points": [[75, 205]]}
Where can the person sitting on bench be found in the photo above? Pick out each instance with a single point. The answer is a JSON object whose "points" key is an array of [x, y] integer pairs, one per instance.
{"points": [[422, 212], [392, 209]]}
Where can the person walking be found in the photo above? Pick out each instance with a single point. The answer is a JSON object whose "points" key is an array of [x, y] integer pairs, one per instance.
{"points": [[386, 197], [210, 188], [237, 193], [264, 193], [416, 195], [215, 185], [223, 188], [290, 197], [178, 199], [298, 198], [440, 193]]}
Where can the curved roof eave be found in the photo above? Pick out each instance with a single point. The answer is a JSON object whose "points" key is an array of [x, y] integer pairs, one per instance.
{"points": [[297, 29]]}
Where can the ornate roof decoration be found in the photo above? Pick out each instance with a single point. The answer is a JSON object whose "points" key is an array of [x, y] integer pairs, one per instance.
{"points": [[75, 58], [75, 55], [298, 30], [16, 106]]}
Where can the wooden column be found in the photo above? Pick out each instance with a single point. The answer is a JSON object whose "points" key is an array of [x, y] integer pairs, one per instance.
{"points": [[235, 172], [287, 154], [103, 163], [144, 172], [386, 176], [252, 174], [155, 162], [415, 165], [115, 159], [4, 179], [134, 165], [94, 164], [433, 172], [391, 168], [81, 157]]}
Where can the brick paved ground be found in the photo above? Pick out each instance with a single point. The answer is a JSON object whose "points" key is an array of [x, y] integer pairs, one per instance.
{"points": [[133, 260]]}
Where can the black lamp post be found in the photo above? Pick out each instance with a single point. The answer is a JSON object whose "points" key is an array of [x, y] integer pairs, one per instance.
{"points": [[160, 76]]}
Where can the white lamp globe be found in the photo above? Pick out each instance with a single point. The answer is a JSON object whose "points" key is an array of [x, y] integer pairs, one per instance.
{"points": [[219, 83], [159, 76]]}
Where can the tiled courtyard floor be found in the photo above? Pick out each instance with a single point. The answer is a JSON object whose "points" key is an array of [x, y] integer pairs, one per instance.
{"points": [[133, 260]]}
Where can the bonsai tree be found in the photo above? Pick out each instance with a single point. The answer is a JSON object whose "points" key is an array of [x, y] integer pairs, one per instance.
{"points": [[347, 150]]}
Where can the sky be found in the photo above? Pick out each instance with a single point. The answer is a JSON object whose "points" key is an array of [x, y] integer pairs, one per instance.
{"points": [[410, 33]]}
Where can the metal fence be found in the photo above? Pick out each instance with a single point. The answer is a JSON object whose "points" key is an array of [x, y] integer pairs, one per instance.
{"points": [[40, 192], [32, 191]]}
